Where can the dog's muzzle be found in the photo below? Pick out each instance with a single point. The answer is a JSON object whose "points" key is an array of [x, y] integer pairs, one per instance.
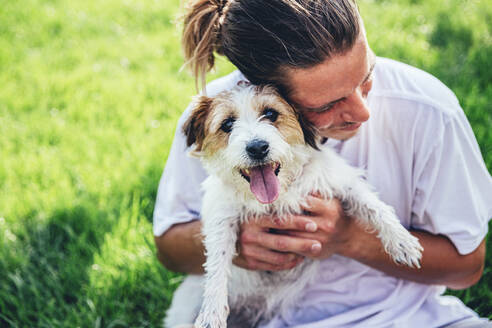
{"points": [[262, 174]]}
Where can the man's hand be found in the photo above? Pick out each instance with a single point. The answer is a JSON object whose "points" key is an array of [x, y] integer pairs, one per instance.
{"points": [[264, 244], [274, 244], [336, 231]]}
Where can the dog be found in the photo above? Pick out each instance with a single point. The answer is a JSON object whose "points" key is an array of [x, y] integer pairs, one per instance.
{"points": [[262, 159]]}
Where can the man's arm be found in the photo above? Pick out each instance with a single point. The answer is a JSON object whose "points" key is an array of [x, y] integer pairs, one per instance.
{"points": [[181, 249], [441, 263]]}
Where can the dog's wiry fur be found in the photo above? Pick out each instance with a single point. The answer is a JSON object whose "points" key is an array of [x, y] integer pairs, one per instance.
{"points": [[253, 296]]}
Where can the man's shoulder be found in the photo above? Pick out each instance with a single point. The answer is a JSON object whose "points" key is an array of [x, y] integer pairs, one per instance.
{"points": [[223, 83], [413, 101], [399, 82]]}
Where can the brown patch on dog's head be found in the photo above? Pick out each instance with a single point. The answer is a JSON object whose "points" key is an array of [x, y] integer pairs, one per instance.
{"points": [[291, 124], [203, 127], [194, 127]]}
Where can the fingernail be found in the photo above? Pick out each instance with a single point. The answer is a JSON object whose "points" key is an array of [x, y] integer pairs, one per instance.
{"points": [[311, 227], [316, 247]]}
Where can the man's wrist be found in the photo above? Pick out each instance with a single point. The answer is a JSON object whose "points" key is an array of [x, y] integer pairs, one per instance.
{"points": [[361, 245]]}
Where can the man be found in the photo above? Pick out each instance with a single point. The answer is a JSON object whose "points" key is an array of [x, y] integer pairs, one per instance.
{"points": [[418, 151]]}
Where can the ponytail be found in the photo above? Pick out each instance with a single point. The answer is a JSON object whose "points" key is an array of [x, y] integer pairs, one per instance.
{"points": [[201, 36], [264, 38]]}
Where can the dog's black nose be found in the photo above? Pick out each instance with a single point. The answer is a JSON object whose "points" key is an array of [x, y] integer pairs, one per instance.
{"points": [[257, 149]]}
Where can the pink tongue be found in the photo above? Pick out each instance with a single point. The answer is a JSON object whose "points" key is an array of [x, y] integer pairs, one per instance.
{"points": [[264, 184]]}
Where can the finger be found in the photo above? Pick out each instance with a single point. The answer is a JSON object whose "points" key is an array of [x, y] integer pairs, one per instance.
{"points": [[284, 243], [305, 235], [314, 203], [326, 227], [328, 208], [268, 256], [294, 222], [316, 194]]}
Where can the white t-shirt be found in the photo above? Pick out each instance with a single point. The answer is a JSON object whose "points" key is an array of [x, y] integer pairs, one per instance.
{"points": [[420, 155]]}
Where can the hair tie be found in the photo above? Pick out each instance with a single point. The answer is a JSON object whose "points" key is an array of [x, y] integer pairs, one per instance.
{"points": [[222, 8]]}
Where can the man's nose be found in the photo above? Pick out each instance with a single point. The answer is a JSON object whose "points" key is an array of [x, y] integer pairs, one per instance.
{"points": [[356, 109]]}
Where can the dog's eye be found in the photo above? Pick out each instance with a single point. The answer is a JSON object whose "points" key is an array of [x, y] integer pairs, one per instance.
{"points": [[227, 124], [270, 114]]}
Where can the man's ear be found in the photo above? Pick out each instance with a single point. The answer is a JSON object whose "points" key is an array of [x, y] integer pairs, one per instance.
{"points": [[194, 127], [309, 131]]}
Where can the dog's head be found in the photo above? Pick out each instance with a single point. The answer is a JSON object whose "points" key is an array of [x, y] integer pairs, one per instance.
{"points": [[250, 135]]}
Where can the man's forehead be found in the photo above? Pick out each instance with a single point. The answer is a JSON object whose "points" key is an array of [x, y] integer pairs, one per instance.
{"points": [[332, 79]]}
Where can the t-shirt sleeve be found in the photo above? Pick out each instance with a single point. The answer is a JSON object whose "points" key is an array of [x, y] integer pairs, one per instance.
{"points": [[453, 188], [179, 194]]}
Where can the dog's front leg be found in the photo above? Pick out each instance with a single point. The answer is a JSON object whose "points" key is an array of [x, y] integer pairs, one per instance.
{"points": [[220, 244], [360, 201]]}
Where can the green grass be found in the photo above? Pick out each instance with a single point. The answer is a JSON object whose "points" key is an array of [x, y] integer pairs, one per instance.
{"points": [[89, 98]]}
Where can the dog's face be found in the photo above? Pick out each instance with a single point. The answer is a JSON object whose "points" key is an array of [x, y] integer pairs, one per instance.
{"points": [[249, 136]]}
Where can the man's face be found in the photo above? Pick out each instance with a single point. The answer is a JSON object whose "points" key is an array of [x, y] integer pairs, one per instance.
{"points": [[332, 95]]}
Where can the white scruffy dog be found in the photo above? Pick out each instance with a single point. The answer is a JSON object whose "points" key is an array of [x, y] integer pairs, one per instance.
{"points": [[262, 160]]}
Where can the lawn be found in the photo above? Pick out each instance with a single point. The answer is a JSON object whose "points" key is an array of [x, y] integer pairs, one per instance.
{"points": [[89, 98]]}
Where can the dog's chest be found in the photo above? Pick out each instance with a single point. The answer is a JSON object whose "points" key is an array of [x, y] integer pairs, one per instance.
{"points": [[255, 296], [271, 286]]}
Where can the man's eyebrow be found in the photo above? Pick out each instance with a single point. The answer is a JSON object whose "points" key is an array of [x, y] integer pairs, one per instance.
{"points": [[331, 103], [323, 107]]}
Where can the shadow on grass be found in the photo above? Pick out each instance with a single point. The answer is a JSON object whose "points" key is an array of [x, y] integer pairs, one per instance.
{"points": [[48, 276], [138, 297], [138, 294], [49, 282]]}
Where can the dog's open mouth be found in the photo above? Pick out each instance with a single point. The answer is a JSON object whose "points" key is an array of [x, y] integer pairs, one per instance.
{"points": [[263, 181]]}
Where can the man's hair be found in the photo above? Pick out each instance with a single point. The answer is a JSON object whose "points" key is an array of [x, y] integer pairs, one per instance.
{"points": [[265, 37]]}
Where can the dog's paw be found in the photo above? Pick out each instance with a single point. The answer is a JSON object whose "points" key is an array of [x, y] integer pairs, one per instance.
{"points": [[404, 248]]}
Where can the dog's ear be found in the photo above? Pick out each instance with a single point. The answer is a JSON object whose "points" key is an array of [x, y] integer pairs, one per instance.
{"points": [[194, 127], [309, 130]]}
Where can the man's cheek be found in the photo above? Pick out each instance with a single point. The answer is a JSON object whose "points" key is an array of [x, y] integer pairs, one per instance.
{"points": [[320, 120]]}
